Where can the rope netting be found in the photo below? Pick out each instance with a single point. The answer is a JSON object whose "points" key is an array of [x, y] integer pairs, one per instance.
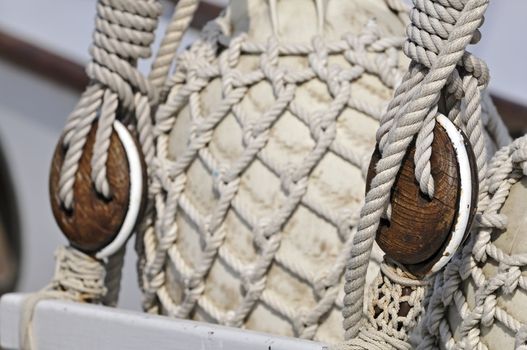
{"points": [[480, 281], [293, 246], [179, 279], [367, 53]]}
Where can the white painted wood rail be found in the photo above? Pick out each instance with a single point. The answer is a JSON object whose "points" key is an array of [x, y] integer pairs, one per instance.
{"points": [[63, 325]]}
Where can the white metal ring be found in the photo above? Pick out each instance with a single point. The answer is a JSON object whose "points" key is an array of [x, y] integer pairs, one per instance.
{"points": [[465, 193], [136, 192]]}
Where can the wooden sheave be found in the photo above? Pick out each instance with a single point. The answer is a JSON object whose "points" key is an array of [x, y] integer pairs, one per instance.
{"points": [[422, 232]]}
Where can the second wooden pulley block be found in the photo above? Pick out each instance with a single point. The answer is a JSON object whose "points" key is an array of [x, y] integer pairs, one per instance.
{"points": [[97, 225], [422, 234]]}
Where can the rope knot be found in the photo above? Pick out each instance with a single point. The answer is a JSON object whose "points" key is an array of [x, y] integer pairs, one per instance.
{"points": [[476, 67], [346, 221], [286, 178], [262, 231], [512, 276], [489, 310], [492, 220]]}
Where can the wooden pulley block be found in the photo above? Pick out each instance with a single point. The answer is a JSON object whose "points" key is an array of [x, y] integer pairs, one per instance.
{"points": [[423, 233], [97, 225]]}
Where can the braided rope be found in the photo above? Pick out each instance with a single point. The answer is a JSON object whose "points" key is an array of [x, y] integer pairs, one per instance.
{"points": [[388, 325]]}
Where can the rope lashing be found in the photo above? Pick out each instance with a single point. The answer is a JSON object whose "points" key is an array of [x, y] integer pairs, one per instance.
{"points": [[123, 35], [78, 277], [438, 36], [119, 93]]}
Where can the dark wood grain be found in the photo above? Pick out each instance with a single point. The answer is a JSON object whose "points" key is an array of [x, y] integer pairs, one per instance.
{"points": [[420, 227], [421, 269], [93, 221]]}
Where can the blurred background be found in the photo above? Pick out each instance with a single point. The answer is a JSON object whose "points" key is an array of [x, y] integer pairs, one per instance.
{"points": [[43, 48]]}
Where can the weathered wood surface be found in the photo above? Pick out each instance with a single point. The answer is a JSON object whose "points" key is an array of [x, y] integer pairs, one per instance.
{"points": [[420, 227], [93, 221]]}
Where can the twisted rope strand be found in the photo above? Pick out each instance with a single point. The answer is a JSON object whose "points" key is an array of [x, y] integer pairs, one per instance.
{"points": [[124, 33], [506, 168], [183, 14]]}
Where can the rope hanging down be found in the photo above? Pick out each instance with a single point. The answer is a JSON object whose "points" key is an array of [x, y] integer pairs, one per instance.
{"points": [[124, 32], [441, 67]]}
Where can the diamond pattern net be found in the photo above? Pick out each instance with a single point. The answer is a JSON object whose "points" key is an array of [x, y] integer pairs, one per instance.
{"points": [[478, 302], [262, 153]]}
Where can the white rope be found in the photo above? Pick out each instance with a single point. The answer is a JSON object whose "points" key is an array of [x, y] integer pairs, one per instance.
{"points": [[178, 25], [506, 168], [78, 277], [123, 35], [438, 36], [196, 68]]}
